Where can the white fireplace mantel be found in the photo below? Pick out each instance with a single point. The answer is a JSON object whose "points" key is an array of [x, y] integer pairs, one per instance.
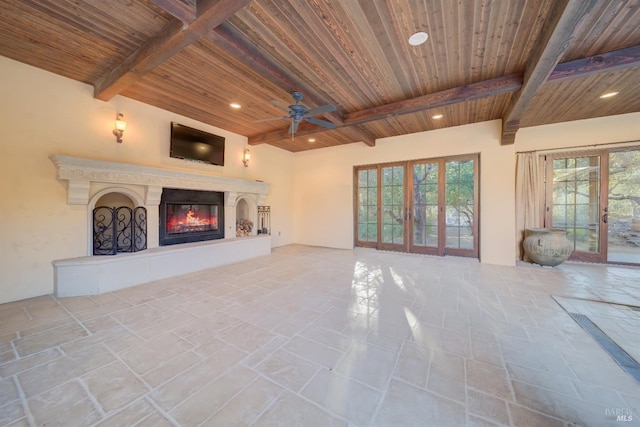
{"points": [[81, 172], [89, 179]]}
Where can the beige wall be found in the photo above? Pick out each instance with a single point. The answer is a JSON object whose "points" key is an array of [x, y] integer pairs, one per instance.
{"points": [[581, 133], [44, 114], [311, 192], [324, 178]]}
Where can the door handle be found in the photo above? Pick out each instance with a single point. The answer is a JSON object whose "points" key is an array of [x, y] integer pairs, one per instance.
{"points": [[407, 214], [605, 218]]}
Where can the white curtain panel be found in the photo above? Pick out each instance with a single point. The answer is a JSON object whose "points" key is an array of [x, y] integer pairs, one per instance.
{"points": [[529, 181]]}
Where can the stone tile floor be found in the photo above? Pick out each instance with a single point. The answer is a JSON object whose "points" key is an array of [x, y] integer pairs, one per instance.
{"points": [[619, 322], [321, 337]]}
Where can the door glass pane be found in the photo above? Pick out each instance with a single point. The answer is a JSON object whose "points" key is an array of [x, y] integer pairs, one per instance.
{"points": [[576, 200], [624, 207], [425, 204], [393, 204], [368, 205], [459, 200], [438, 210]]}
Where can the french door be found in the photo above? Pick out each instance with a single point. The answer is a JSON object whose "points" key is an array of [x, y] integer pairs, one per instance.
{"points": [[595, 196], [421, 206]]}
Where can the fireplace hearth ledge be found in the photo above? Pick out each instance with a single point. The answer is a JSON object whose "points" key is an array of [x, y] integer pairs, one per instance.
{"points": [[89, 179], [94, 275]]}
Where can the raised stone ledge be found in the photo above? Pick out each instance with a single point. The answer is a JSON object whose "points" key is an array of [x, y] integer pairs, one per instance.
{"points": [[93, 275]]}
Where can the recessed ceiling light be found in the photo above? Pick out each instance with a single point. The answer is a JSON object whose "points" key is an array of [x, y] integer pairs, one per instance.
{"points": [[418, 38], [311, 140], [608, 95], [235, 105], [437, 116]]}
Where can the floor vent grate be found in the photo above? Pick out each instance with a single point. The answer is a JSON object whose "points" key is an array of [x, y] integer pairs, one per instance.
{"points": [[622, 358]]}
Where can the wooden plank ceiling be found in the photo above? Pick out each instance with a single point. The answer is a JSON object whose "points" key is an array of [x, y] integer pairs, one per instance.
{"points": [[528, 62]]}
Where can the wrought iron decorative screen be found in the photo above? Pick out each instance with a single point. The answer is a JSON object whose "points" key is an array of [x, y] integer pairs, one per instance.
{"points": [[119, 229], [264, 219]]}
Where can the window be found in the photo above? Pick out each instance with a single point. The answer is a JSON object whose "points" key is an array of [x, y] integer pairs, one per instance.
{"points": [[424, 206]]}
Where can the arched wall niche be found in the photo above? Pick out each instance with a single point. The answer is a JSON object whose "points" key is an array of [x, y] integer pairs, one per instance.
{"points": [[87, 180], [123, 195], [111, 197], [115, 200], [246, 210]]}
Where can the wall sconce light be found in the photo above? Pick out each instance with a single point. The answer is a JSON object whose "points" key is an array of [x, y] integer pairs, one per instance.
{"points": [[119, 128], [246, 157]]}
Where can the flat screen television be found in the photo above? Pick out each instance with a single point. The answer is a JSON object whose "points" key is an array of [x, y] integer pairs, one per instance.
{"points": [[193, 144]]}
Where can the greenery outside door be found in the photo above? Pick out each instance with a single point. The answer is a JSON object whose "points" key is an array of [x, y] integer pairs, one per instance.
{"points": [[394, 212], [422, 206], [623, 230], [595, 196]]}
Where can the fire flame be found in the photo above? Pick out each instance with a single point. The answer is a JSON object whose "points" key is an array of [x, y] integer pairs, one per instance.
{"points": [[191, 220]]}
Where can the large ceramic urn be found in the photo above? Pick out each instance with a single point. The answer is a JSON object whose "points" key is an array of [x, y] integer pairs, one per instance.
{"points": [[547, 246]]}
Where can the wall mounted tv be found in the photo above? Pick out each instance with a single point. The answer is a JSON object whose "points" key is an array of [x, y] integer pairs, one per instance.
{"points": [[192, 144]]}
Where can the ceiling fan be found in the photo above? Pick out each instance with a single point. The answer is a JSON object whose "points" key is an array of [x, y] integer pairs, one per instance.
{"points": [[298, 113]]}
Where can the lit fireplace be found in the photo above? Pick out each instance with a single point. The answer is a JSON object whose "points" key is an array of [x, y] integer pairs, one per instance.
{"points": [[190, 216]]}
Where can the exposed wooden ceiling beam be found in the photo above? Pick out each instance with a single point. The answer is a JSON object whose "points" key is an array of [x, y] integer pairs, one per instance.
{"points": [[184, 10], [231, 41], [360, 135], [611, 61], [282, 134], [174, 37], [607, 62], [304, 129], [483, 89], [355, 134], [558, 31]]}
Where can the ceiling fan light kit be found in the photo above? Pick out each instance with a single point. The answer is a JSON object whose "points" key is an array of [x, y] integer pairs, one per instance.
{"points": [[299, 112], [220, 62]]}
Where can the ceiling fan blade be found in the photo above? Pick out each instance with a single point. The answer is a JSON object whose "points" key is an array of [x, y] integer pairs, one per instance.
{"points": [[271, 119], [293, 128], [320, 110], [322, 123], [279, 104]]}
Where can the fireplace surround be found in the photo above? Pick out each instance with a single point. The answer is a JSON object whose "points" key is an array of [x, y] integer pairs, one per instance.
{"points": [[88, 180], [190, 216]]}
